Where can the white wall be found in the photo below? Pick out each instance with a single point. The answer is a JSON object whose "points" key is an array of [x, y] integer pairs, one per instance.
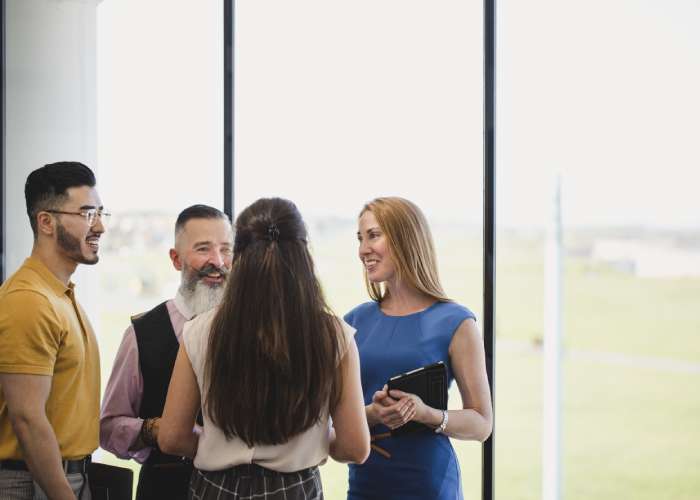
{"points": [[50, 100]]}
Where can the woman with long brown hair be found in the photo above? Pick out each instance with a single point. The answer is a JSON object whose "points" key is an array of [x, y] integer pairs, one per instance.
{"points": [[411, 323], [270, 366]]}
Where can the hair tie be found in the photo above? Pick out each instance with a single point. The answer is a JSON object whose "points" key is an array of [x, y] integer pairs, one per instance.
{"points": [[273, 232]]}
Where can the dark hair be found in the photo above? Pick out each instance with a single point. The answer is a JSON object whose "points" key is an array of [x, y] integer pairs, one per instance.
{"points": [[198, 212], [274, 348], [46, 186]]}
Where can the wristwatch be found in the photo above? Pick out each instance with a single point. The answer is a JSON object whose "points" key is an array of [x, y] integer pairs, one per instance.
{"points": [[443, 425]]}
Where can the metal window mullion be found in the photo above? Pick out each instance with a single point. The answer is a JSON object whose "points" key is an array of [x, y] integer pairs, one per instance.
{"points": [[489, 320], [229, 17]]}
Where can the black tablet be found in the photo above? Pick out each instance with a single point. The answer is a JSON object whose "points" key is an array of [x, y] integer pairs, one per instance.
{"points": [[429, 383]]}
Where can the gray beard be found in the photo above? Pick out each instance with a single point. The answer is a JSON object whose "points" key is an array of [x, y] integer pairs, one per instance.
{"points": [[202, 297]]}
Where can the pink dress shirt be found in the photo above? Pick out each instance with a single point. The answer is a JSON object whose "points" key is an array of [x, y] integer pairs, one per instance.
{"points": [[120, 424]]}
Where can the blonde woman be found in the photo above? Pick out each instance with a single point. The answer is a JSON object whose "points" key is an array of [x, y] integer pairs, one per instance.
{"points": [[410, 323]]}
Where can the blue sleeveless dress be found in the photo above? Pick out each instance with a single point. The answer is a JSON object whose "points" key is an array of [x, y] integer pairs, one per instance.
{"points": [[423, 466]]}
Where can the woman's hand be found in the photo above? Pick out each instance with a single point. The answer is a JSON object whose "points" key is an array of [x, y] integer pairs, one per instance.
{"points": [[392, 412], [424, 414]]}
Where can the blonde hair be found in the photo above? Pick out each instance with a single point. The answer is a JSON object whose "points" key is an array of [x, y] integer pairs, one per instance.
{"points": [[411, 245]]}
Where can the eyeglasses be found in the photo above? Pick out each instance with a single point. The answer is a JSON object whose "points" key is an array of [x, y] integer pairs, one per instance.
{"points": [[90, 214]]}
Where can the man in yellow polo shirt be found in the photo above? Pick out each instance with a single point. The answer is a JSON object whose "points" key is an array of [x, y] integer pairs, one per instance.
{"points": [[49, 361]]}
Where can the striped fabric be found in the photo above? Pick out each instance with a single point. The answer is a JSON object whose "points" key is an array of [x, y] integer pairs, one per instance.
{"points": [[252, 482]]}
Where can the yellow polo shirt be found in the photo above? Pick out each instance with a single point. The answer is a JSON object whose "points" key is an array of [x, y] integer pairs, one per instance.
{"points": [[44, 331]]}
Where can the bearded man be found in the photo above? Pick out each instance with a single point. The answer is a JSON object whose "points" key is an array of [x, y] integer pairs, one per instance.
{"points": [[135, 395], [49, 361]]}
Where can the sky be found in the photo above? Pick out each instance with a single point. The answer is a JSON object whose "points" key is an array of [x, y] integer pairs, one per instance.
{"points": [[339, 102]]}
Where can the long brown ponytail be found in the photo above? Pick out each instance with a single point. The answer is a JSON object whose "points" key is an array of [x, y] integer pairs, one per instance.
{"points": [[272, 361]]}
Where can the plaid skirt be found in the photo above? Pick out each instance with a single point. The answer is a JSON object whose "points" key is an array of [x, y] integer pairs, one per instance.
{"points": [[252, 482]]}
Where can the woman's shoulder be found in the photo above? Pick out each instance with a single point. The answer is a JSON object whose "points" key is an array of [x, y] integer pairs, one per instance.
{"points": [[346, 335], [195, 333], [443, 319], [200, 323], [359, 312], [453, 311], [346, 329]]}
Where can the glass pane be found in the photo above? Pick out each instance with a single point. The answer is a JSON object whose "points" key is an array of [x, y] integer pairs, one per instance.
{"points": [[160, 146], [606, 95], [338, 103]]}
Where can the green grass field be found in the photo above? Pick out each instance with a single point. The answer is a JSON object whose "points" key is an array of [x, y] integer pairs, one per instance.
{"points": [[630, 424]]}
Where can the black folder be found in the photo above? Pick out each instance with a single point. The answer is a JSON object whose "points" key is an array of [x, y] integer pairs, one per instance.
{"points": [[430, 384], [109, 482]]}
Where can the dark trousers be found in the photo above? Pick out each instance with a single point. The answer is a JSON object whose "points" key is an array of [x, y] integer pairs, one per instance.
{"points": [[161, 481]]}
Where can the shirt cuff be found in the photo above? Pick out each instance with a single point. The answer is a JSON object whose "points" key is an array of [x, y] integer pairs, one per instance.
{"points": [[122, 433]]}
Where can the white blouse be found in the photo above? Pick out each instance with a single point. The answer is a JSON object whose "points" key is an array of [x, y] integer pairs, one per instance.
{"points": [[216, 452]]}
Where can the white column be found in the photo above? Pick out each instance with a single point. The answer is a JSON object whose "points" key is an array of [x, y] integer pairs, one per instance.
{"points": [[551, 431], [51, 109]]}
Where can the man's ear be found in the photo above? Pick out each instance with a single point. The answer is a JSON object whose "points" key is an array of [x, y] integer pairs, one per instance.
{"points": [[175, 257], [45, 224]]}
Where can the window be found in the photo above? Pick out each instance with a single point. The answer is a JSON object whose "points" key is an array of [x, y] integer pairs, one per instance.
{"points": [[160, 147], [605, 94], [338, 103]]}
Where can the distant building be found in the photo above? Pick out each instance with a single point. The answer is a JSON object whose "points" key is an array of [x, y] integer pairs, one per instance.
{"points": [[647, 259]]}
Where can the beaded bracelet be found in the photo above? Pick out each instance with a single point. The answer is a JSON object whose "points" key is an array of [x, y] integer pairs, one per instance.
{"points": [[147, 432]]}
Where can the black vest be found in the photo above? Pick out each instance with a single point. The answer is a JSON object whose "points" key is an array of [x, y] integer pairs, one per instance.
{"points": [[158, 348]]}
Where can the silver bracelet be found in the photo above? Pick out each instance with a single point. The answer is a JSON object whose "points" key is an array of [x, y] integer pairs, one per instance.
{"points": [[443, 424]]}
